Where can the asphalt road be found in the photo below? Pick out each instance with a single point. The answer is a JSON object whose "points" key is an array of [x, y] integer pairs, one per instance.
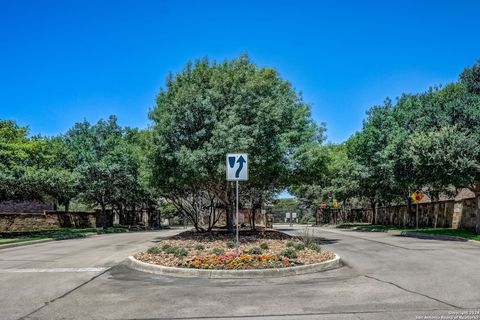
{"points": [[386, 277]]}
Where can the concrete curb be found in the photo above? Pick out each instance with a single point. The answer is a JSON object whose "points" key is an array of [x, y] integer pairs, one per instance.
{"points": [[135, 264]]}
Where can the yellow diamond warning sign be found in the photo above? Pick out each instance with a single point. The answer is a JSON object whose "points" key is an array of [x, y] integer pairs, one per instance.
{"points": [[417, 196]]}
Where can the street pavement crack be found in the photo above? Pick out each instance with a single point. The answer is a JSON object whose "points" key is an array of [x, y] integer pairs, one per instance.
{"points": [[64, 295], [414, 292]]}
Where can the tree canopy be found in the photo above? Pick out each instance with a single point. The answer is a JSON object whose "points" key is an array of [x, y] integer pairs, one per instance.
{"points": [[210, 109], [426, 141]]}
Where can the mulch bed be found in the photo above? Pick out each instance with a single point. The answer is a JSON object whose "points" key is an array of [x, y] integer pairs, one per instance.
{"points": [[244, 235]]}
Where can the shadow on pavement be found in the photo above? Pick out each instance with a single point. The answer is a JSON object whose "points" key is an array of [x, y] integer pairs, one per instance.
{"points": [[322, 240], [319, 240], [432, 237]]}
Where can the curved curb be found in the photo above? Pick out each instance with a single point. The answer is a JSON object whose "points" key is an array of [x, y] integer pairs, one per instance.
{"points": [[138, 265]]}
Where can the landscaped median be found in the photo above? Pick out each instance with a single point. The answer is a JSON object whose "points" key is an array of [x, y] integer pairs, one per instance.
{"points": [[262, 254]]}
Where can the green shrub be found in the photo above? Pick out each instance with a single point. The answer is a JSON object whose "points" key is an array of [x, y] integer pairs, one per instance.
{"points": [[169, 249], [290, 244], [199, 247], [254, 250], [263, 246], [307, 236], [290, 253], [180, 252], [307, 219], [230, 244], [154, 250], [165, 247], [218, 251], [315, 247], [299, 246]]}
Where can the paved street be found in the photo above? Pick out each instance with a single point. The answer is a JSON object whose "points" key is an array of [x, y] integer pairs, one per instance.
{"points": [[385, 277]]}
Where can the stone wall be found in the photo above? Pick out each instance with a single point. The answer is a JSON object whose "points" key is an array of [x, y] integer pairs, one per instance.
{"points": [[336, 216], [34, 221], [243, 217], [24, 206], [457, 214]]}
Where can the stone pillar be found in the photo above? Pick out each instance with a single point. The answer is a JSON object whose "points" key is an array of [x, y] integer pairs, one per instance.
{"points": [[477, 206], [477, 212], [457, 214]]}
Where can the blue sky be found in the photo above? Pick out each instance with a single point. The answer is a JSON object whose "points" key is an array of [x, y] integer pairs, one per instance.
{"points": [[65, 61]]}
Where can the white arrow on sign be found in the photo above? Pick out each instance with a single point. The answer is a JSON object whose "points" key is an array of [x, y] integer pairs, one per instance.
{"points": [[237, 167]]}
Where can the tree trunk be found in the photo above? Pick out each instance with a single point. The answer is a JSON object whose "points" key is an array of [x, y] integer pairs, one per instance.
{"points": [[373, 204], [230, 208], [67, 206], [103, 217], [410, 222], [254, 212]]}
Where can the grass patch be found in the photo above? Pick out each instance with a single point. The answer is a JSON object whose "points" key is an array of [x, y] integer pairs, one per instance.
{"points": [[369, 227], [54, 233], [451, 232], [433, 231], [9, 241]]}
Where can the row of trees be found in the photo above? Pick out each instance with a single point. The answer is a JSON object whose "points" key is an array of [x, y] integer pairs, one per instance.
{"points": [[204, 112], [427, 141], [101, 165], [208, 110]]}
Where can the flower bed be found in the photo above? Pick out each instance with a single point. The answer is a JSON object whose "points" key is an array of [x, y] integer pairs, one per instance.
{"points": [[238, 261], [260, 251]]}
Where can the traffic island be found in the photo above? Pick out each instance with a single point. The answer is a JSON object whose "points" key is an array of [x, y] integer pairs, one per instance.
{"points": [[215, 255]]}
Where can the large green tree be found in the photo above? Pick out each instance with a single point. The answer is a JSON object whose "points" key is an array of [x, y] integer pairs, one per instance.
{"points": [[427, 141], [108, 167], [210, 109], [30, 167]]}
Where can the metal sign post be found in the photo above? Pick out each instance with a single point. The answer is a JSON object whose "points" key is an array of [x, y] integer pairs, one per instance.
{"points": [[237, 170], [416, 218], [236, 208], [417, 196]]}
